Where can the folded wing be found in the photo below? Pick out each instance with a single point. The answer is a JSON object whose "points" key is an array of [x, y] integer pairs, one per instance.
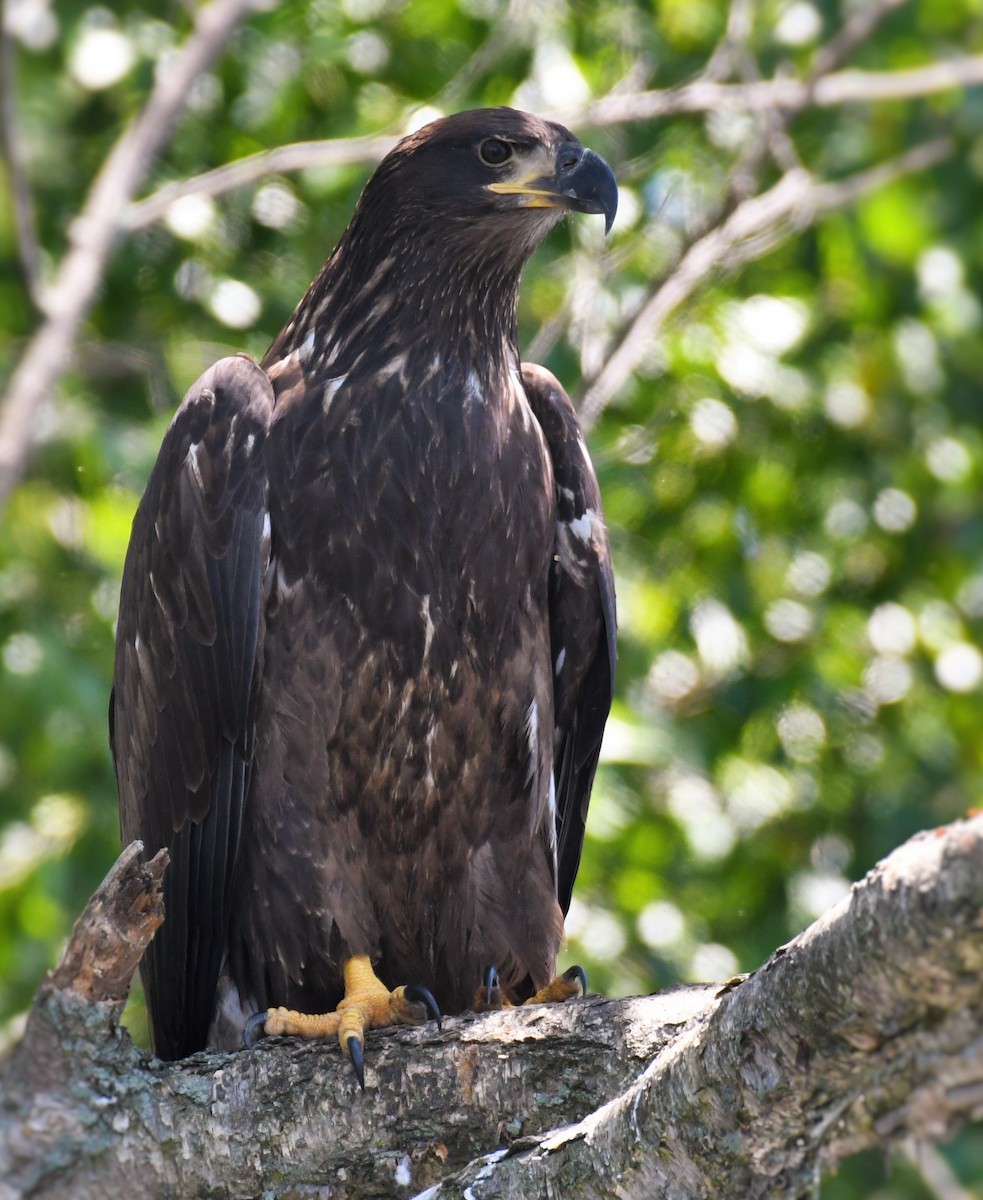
{"points": [[582, 618], [188, 647]]}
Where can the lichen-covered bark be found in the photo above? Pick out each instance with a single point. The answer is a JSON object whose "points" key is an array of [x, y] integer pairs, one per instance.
{"points": [[866, 1029]]}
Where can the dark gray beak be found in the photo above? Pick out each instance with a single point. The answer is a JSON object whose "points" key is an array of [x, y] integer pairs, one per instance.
{"points": [[586, 182]]}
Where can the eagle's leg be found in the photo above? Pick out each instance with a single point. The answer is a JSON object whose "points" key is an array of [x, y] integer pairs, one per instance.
{"points": [[489, 996], [368, 1004]]}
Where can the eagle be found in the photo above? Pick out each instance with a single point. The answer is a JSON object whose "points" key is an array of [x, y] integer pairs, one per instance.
{"points": [[366, 638]]}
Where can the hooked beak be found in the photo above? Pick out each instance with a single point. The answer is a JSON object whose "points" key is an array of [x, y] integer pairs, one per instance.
{"points": [[580, 181]]}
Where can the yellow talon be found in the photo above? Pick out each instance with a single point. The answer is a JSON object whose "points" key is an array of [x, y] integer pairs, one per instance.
{"points": [[491, 996], [573, 982], [367, 1004]]}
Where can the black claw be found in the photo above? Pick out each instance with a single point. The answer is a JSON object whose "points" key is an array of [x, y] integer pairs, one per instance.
{"points": [[354, 1047], [416, 993], [491, 985], [257, 1020], [578, 973]]}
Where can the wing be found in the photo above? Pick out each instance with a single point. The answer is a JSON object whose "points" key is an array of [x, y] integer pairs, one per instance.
{"points": [[582, 618], [188, 643]]}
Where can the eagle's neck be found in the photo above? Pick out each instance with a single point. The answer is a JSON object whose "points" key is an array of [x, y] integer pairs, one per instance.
{"points": [[431, 289]]}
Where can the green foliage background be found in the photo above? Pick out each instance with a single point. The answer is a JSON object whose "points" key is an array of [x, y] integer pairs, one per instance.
{"points": [[791, 478]]}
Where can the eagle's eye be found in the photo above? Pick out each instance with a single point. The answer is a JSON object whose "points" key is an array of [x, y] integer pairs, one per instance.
{"points": [[494, 152]]}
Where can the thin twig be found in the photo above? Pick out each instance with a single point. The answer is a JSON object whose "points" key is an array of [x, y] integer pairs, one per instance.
{"points": [[513, 27], [751, 230], [777, 141], [28, 247], [740, 21], [934, 1171], [857, 30], [840, 192], [95, 232]]}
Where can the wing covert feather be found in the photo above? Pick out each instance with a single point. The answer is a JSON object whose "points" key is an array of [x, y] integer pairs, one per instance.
{"points": [[188, 646], [582, 618]]}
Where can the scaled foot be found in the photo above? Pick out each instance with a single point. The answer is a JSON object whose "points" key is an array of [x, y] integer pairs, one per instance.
{"points": [[368, 1004]]}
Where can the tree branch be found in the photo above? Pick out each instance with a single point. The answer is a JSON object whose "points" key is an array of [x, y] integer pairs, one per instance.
{"points": [[94, 1103], [95, 231], [865, 1030], [109, 938], [756, 226]]}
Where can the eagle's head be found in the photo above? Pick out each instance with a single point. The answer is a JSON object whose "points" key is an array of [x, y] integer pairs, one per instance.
{"points": [[493, 163], [443, 229], [491, 177]]}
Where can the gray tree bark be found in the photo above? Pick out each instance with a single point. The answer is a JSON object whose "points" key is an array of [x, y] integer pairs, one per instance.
{"points": [[865, 1030]]}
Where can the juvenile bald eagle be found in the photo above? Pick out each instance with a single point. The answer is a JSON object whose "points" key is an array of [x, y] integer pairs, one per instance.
{"points": [[366, 635]]}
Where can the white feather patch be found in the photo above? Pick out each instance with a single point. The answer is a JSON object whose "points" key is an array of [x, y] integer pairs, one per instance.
{"points": [[330, 390], [284, 586], [518, 399], [582, 527], [191, 458], [532, 739], [230, 1015], [551, 823], [395, 366], [472, 389], [427, 625]]}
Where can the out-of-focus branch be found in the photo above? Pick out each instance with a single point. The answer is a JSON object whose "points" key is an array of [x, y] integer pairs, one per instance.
{"points": [[734, 56], [616, 108], [829, 56], [515, 25], [95, 231], [10, 147], [829, 91], [752, 229], [296, 156], [840, 192]]}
